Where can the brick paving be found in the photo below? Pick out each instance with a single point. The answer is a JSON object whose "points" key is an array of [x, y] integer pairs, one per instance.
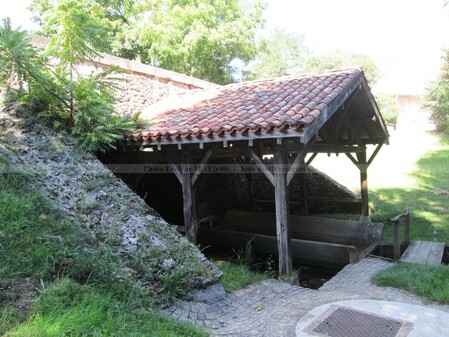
{"points": [[273, 308]]}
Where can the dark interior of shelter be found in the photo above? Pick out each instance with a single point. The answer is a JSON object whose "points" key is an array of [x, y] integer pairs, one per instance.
{"points": [[217, 193], [223, 198]]}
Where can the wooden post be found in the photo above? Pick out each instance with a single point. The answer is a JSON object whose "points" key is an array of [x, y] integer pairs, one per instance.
{"points": [[303, 192], [282, 224], [363, 167], [407, 228], [397, 241], [188, 198]]}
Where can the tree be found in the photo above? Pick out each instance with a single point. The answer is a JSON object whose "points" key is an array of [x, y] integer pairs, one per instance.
{"points": [[16, 55], [388, 107], [197, 37], [281, 53], [338, 59], [76, 38], [81, 104], [437, 97]]}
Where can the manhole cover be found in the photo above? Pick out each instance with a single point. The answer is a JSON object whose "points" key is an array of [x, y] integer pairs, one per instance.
{"points": [[346, 322]]}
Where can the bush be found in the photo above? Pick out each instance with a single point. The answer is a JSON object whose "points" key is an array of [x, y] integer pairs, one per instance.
{"points": [[388, 108]]}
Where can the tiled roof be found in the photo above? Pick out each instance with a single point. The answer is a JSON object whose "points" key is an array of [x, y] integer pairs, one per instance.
{"points": [[288, 103]]}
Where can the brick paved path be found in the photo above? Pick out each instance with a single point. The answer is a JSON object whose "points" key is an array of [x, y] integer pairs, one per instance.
{"points": [[273, 308]]}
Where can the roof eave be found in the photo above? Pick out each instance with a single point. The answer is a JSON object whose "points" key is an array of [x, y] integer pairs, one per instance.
{"points": [[222, 138]]}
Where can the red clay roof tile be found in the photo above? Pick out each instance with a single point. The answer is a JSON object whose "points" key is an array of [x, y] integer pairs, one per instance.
{"points": [[289, 102]]}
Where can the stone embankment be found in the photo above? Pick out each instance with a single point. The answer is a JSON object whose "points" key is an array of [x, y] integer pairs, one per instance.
{"points": [[103, 207]]}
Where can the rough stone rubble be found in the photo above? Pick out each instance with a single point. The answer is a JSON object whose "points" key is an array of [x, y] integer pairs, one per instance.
{"points": [[91, 196]]}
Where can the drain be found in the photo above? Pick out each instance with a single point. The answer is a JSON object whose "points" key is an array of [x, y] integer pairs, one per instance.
{"points": [[346, 322]]}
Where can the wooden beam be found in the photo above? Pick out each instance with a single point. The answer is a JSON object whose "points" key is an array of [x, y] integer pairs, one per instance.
{"points": [[313, 128], [272, 134], [374, 154], [202, 164], [376, 109], [283, 232], [331, 148], [299, 159], [173, 166], [312, 157], [297, 162], [262, 166], [351, 157]]}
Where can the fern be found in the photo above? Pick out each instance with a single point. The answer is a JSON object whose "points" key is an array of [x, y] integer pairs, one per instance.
{"points": [[58, 93], [16, 55]]}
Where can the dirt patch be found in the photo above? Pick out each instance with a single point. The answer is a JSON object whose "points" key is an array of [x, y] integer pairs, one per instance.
{"points": [[440, 191], [19, 295]]}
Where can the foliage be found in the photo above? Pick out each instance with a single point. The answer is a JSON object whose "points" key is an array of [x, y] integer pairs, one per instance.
{"points": [[56, 91], [438, 98], [199, 38], [96, 124], [67, 308], [281, 53], [338, 59], [16, 54], [427, 281], [388, 108], [75, 38], [21, 62]]}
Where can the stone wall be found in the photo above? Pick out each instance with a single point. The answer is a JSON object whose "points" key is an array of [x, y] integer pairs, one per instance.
{"points": [[139, 85], [318, 186]]}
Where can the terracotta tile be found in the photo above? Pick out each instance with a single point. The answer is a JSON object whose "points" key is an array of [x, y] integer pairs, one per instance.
{"points": [[289, 102]]}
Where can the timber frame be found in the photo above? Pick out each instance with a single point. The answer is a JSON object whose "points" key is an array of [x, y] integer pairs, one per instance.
{"points": [[350, 125]]}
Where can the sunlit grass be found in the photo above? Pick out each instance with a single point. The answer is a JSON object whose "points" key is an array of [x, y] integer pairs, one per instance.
{"points": [[428, 201], [430, 282]]}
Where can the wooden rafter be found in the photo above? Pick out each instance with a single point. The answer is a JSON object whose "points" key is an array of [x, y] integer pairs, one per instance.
{"points": [[260, 164], [203, 162]]}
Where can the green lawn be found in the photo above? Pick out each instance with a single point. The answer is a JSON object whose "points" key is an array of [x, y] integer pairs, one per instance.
{"points": [[428, 203], [429, 282]]}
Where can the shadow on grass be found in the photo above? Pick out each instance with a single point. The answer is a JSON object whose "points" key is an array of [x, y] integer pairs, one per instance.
{"points": [[428, 202]]}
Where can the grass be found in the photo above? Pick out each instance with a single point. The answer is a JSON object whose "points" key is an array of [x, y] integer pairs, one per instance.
{"points": [[83, 292], [428, 201], [239, 275], [429, 282], [67, 308]]}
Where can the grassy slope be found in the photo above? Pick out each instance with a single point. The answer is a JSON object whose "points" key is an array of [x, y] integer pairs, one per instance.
{"points": [[428, 200], [429, 204], [35, 241]]}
